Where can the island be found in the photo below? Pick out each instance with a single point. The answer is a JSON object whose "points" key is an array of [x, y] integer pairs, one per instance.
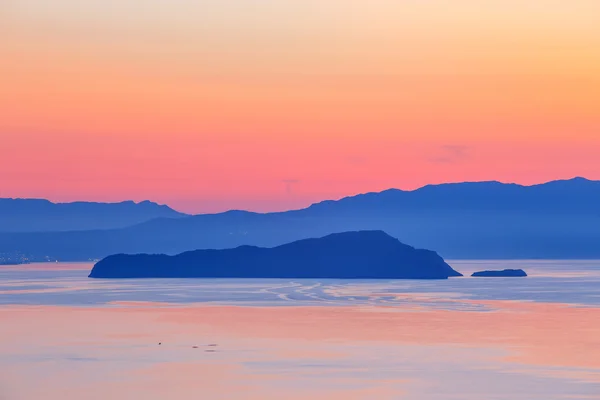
{"points": [[347, 255], [509, 273]]}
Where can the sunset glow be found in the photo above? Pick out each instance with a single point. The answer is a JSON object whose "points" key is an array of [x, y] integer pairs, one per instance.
{"points": [[270, 105]]}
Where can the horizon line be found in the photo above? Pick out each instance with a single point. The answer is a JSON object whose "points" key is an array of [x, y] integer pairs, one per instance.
{"points": [[575, 178]]}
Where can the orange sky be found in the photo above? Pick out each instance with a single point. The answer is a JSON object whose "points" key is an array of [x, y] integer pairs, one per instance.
{"points": [[270, 105]]}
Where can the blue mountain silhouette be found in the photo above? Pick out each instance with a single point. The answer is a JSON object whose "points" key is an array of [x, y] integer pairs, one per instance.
{"points": [[31, 215], [559, 219]]}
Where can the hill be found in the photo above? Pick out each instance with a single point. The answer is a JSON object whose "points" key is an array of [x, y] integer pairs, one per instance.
{"points": [[349, 255], [37, 215]]}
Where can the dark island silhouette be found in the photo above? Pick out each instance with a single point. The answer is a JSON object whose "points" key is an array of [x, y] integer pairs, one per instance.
{"points": [[502, 273], [348, 255], [481, 220]]}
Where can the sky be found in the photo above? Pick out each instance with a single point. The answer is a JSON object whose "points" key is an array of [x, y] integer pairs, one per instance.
{"points": [[267, 105]]}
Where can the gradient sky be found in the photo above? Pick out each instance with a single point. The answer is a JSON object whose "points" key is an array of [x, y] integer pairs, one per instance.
{"points": [[267, 105]]}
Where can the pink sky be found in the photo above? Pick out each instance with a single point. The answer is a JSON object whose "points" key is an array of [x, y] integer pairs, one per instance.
{"points": [[263, 105]]}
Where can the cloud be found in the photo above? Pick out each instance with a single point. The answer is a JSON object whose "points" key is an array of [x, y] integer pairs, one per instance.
{"points": [[289, 184], [451, 154]]}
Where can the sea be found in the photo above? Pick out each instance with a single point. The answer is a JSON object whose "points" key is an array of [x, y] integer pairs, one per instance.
{"points": [[66, 336]]}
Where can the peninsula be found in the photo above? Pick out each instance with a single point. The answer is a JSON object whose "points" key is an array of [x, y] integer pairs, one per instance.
{"points": [[348, 255]]}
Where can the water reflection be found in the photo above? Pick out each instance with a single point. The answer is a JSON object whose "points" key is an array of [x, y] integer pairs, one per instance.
{"points": [[231, 339]]}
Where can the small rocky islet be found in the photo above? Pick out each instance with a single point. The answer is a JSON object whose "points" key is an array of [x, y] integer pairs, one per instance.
{"points": [[505, 273]]}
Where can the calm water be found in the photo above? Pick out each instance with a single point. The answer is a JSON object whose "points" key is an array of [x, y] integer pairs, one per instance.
{"points": [[64, 336]]}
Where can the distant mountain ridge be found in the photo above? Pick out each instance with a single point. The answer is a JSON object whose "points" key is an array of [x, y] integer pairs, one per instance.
{"points": [[488, 220], [347, 255], [478, 195], [39, 215]]}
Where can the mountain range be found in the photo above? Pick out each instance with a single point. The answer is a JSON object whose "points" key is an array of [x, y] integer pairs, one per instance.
{"points": [[38, 215], [488, 220]]}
